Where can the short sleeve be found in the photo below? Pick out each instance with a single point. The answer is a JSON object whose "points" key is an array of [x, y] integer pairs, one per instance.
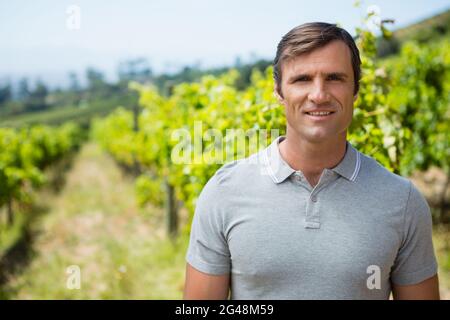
{"points": [[208, 249], [415, 261]]}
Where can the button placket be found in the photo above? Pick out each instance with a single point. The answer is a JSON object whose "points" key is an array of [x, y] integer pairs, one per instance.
{"points": [[312, 218]]}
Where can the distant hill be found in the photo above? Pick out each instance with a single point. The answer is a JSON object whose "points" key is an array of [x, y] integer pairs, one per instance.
{"points": [[429, 29]]}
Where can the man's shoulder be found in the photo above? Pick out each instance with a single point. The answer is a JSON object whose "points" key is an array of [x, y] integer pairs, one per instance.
{"points": [[230, 180], [394, 190], [237, 175], [378, 177], [397, 192], [238, 172], [375, 170]]}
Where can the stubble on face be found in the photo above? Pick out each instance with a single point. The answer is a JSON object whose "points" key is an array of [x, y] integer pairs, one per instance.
{"points": [[319, 80]]}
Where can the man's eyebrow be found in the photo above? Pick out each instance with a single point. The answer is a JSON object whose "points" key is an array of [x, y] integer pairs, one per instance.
{"points": [[337, 74], [298, 76], [341, 75]]}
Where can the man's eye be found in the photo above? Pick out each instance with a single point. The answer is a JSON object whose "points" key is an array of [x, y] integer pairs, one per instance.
{"points": [[303, 79], [334, 78]]}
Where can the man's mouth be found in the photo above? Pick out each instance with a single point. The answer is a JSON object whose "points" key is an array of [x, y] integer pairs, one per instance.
{"points": [[319, 113]]}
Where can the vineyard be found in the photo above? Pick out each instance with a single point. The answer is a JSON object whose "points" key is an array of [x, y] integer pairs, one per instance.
{"points": [[177, 142], [25, 154], [171, 142]]}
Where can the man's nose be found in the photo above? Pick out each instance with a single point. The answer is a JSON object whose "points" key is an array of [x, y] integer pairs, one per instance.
{"points": [[318, 93]]}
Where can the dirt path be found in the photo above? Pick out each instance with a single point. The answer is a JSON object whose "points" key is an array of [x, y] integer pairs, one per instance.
{"points": [[95, 225]]}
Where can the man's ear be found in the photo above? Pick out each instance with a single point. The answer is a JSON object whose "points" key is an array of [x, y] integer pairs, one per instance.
{"points": [[277, 95]]}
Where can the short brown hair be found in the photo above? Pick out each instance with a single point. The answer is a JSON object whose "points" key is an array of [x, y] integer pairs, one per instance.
{"points": [[309, 36]]}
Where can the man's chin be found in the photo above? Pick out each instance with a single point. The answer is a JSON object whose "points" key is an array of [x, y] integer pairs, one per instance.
{"points": [[318, 136]]}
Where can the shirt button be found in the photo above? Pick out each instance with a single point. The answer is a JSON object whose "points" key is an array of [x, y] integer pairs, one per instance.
{"points": [[314, 199]]}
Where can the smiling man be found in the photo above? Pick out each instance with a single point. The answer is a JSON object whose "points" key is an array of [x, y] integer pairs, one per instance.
{"points": [[310, 217]]}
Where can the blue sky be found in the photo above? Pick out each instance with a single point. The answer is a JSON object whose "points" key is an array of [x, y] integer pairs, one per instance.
{"points": [[35, 40]]}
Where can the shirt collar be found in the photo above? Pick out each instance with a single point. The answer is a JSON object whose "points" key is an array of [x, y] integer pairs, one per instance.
{"points": [[279, 170]]}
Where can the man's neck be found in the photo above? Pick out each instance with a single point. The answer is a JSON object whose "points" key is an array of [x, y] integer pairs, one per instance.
{"points": [[311, 158]]}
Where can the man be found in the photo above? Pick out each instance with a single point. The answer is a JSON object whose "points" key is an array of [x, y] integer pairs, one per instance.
{"points": [[316, 219]]}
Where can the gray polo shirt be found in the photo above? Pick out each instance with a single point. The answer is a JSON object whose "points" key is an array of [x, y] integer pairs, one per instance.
{"points": [[348, 237]]}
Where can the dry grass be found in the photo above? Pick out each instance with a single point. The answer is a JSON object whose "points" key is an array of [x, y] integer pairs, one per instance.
{"points": [[94, 223]]}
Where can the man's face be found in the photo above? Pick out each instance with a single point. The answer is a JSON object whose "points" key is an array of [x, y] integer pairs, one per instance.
{"points": [[320, 80]]}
